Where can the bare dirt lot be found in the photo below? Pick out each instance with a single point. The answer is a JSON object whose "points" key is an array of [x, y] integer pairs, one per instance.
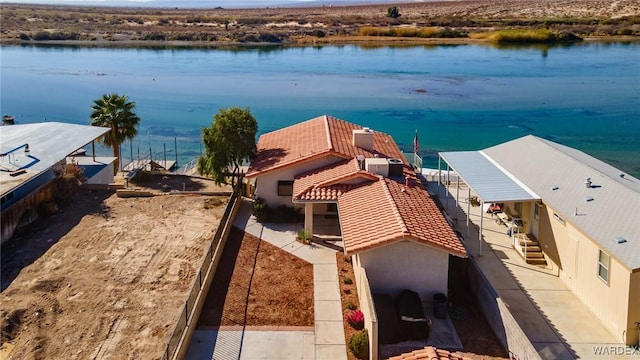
{"points": [[106, 278]]}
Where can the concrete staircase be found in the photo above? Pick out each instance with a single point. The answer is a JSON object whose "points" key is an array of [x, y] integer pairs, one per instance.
{"points": [[530, 250]]}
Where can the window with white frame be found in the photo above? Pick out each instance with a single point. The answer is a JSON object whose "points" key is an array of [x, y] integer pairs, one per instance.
{"points": [[536, 211], [603, 266]]}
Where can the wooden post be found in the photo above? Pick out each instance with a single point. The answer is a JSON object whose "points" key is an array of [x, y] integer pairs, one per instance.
{"points": [[175, 147]]}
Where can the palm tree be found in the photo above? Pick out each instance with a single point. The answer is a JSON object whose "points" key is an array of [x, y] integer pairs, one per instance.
{"points": [[118, 113]]}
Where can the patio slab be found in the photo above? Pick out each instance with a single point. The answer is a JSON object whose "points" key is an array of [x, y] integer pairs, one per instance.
{"points": [[326, 290], [555, 304], [327, 310], [331, 352], [325, 272], [330, 333]]}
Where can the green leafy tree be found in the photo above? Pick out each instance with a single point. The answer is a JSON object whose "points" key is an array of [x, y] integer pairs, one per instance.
{"points": [[393, 12], [229, 141], [118, 113]]}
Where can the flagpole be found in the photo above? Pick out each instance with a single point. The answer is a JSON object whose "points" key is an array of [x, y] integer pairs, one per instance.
{"points": [[415, 151]]}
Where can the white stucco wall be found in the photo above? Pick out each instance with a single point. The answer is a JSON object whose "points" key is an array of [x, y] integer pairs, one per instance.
{"points": [[406, 265], [267, 184], [576, 257]]}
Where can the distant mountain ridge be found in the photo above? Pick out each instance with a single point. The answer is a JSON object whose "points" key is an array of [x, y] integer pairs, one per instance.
{"points": [[207, 4]]}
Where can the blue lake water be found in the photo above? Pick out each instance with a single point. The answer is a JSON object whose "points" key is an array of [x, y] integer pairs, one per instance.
{"points": [[463, 97]]}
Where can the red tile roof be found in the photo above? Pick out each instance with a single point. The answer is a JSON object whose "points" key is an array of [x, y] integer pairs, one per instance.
{"points": [[428, 353], [313, 138], [393, 211], [329, 182], [374, 211]]}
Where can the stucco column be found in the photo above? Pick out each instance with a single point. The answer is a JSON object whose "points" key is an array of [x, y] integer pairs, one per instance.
{"points": [[308, 218], [480, 232]]}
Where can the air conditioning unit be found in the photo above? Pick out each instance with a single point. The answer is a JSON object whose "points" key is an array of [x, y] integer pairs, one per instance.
{"points": [[378, 166], [395, 167]]}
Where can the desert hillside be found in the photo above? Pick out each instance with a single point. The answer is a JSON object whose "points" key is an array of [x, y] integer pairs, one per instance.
{"points": [[460, 19]]}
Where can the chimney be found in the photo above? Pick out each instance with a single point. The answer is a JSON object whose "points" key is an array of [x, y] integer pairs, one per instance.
{"points": [[363, 138]]}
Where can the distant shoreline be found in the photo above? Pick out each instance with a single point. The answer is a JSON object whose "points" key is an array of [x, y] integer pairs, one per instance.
{"points": [[437, 23], [370, 41]]}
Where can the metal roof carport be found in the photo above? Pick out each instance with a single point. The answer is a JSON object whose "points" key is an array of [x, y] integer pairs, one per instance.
{"points": [[487, 179]]}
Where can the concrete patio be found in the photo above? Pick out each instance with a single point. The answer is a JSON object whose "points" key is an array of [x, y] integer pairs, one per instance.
{"points": [[556, 322]]}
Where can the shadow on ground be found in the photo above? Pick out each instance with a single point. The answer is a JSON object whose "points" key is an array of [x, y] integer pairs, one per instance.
{"points": [[166, 182], [34, 240]]}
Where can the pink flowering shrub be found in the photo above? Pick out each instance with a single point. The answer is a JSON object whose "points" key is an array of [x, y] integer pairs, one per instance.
{"points": [[356, 319]]}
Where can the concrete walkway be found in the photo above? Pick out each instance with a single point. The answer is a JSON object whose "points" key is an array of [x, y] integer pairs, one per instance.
{"points": [[326, 341], [556, 322]]}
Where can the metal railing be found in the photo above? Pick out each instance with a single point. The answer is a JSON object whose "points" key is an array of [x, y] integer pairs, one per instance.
{"points": [[414, 159], [186, 169], [189, 306]]}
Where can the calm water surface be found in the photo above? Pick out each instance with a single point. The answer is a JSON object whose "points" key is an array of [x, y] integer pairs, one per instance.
{"points": [[458, 97]]}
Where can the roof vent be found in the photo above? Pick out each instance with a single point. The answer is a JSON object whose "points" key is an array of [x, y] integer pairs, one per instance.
{"points": [[588, 198], [554, 187], [587, 183], [619, 240], [363, 138]]}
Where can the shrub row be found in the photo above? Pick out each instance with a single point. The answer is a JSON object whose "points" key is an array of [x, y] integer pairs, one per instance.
{"points": [[281, 214], [56, 35], [531, 36], [427, 32]]}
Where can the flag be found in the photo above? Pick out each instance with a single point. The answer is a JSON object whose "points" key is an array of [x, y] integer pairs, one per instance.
{"points": [[415, 143]]}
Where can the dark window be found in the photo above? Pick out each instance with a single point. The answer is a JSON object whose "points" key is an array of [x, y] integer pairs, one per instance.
{"points": [[285, 188], [332, 207]]}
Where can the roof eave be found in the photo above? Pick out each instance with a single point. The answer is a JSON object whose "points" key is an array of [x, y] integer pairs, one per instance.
{"points": [[294, 162], [397, 238]]}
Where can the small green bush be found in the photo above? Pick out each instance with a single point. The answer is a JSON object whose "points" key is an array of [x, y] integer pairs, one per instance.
{"points": [[304, 236], [351, 306], [260, 210], [393, 12], [318, 33], [359, 344], [347, 281], [42, 36]]}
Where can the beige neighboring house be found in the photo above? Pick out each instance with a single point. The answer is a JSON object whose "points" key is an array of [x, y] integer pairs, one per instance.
{"points": [[389, 223], [30, 155], [582, 214]]}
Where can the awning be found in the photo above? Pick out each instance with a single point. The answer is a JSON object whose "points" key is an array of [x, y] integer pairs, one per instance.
{"points": [[486, 178]]}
